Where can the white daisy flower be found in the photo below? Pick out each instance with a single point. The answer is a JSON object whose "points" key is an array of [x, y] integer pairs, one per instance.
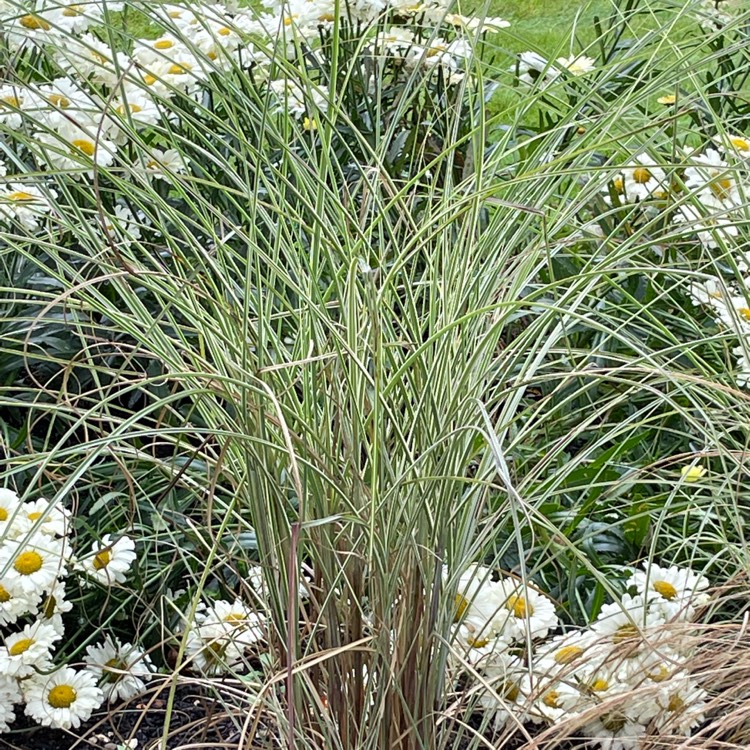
{"points": [[161, 165], [138, 108], [63, 699], [27, 650], [734, 144], [615, 730], [61, 101], [14, 603], [88, 57], [565, 653], [9, 695], [294, 100], [533, 70], [72, 147], [16, 102], [9, 505], [31, 565], [234, 614], [713, 180], [524, 612], [25, 204], [626, 621], [551, 700], [478, 600], [218, 647], [643, 180], [54, 604], [682, 703], [109, 561], [32, 29], [40, 515], [73, 18], [123, 226], [712, 230], [121, 669], [577, 65], [504, 675], [477, 647], [475, 24], [395, 42], [675, 591]]}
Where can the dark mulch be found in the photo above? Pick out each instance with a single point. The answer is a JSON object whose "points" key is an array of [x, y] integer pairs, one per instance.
{"points": [[196, 720]]}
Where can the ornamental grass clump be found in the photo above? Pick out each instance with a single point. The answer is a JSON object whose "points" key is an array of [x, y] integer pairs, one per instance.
{"points": [[389, 382]]}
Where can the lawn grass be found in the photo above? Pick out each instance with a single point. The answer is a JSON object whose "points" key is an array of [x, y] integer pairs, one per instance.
{"points": [[545, 24]]}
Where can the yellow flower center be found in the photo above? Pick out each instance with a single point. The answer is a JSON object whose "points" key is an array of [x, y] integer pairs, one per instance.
{"points": [[676, 704], [215, 650], [692, 473], [641, 175], [740, 144], [462, 604], [49, 607], [510, 690], [721, 187], [58, 100], [477, 642], [133, 108], [28, 563], [567, 654], [619, 185], [235, 618], [149, 80], [3, 511], [34, 23], [113, 667], [668, 99], [20, 646], [660, 674], [179, 69], [614, 722], [11, 101], [666, 589], [62, 696], [625, 633], [85, 146], [289, 20], [224, 31], [34, 516], [309, 124], [519, 606], [4, 595], [599, 685], [163, 44], [552, 699], [212, 56], [17, 196], [72, 11], [744, 313], [102, 559], [327, 18]]}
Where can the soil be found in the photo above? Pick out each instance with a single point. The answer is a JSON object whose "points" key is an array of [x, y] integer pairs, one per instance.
{"points": [[196, 721]]}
